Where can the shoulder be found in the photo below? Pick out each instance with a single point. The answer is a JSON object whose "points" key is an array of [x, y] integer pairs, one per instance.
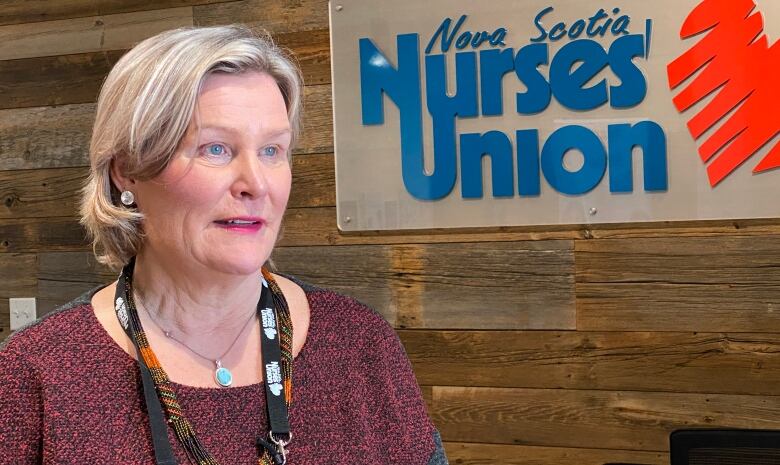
{"points": [[338, 304], [27, 357], [355, 340], [349, 329], [340, 311], [57, 327]]}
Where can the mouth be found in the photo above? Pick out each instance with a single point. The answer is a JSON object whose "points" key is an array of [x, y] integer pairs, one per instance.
{"points": [[249, 224]]}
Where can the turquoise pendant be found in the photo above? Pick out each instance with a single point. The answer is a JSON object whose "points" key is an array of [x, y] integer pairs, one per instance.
{"points": [[222, 375]]}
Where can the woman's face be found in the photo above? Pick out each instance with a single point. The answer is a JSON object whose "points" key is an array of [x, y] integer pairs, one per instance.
{"points": [[221, 199]]}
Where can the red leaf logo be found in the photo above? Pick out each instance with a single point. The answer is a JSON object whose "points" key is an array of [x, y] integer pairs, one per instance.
{"points": [[736, 61]]}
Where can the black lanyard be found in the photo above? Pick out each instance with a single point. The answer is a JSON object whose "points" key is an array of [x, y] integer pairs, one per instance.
{"points": [[279, 434]]}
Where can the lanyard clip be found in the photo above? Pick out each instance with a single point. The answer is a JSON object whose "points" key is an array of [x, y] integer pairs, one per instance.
{"points": [[276, 447]]}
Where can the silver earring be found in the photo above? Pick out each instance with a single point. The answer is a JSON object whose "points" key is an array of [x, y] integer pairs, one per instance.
{"points": [[127, 198]]}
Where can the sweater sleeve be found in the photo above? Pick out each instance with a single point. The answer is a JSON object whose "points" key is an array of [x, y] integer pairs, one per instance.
{"points": [[20, 409], [400, 402]]}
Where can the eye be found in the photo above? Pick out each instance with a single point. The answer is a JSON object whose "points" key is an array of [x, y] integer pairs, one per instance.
{"points": [[273, 153], [216, 150], [215, 153]]}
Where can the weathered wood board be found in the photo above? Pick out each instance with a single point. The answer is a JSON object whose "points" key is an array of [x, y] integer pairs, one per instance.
{"points": [[496, 285], [58, 137], [582, 418], [721, 283], [726, 363]]}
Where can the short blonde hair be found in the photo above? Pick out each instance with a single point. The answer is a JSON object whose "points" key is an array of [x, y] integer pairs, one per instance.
{"points": [[145, 107]]}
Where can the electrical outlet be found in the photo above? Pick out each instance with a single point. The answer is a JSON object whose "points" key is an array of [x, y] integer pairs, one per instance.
{"points": [[22, 311]]}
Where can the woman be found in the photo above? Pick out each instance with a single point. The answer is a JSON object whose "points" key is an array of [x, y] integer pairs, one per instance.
{"points": [[196, 353]]}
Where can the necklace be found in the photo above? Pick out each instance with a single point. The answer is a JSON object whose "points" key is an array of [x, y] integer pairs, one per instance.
{"points": [[162, 403], [222, 375]]}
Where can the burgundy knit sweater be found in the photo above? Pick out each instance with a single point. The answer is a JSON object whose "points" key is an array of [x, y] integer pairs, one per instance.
{"points": [[70, 395]]}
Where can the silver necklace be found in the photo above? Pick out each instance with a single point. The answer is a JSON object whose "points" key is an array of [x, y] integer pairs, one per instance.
{"points": [[222, 375]]}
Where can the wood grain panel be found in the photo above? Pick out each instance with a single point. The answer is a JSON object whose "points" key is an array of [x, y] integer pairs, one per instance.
{"points": [[41, 193], [42, 235], [303, 227], [721, 283], [28, 11], [311, 49], [461, 453], [317, 226], [45, 137], [317, 125], [18, 280], [65, 79], [57, 192], [580, 418], [50, 137], [486, 285], [742, 227], [92, 34], [741, 363], [77, 78], [314, 183], [276, 16], [63, 276], [546, 396]]}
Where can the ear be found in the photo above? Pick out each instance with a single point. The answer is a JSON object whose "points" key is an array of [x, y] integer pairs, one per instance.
{"points": [[118, 178]]}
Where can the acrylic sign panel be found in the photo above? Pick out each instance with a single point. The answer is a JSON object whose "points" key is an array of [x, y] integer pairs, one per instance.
{"points": [[460, 113]]}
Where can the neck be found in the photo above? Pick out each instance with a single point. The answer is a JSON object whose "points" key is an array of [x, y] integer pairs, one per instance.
{"points": [[194, 300]]}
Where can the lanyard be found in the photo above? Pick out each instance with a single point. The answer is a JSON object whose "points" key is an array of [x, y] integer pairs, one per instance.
{"points": [[279, 428]]}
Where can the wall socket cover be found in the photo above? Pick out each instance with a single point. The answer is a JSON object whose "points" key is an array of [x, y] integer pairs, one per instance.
{"points": [[22, 311]]}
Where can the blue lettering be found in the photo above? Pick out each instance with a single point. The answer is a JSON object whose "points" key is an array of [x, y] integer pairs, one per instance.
{"points": [[402, 86], [576, 65], [538, 95], [589, 175], [538, 23], [497, 37], [620, 26], [528, 183], [479, 39], [493, 65], [473, 148], [446, 36], [593, 29], [576, 29], [463, 40], [622, 138], [475, 39], [567, 85], [633, 87], [558, 31], [444, 109]]}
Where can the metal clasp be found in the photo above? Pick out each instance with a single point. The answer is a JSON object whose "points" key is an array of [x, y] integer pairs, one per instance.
{"points": [[280, 447]]}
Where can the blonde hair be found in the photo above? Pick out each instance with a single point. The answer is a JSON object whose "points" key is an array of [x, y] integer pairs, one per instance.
{"points": [[145, 107]]}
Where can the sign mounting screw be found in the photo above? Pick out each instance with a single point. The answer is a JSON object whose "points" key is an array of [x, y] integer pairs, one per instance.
{"points": [[593, 211], [339, 7]]}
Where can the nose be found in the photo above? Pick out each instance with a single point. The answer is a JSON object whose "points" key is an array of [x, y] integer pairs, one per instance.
{"points": [[250, 177]]}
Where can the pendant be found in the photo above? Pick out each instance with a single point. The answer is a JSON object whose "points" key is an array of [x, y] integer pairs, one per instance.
{"points": [[222, 375]]}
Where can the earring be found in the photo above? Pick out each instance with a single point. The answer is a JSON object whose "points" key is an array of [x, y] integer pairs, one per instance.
{"points": [[127, 198]]}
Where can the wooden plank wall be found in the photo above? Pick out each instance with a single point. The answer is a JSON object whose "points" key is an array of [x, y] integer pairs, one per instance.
{"points": [[546, 346]]}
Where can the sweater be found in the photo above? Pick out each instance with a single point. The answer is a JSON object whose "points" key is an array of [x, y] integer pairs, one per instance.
{"points": [[71, 395]]}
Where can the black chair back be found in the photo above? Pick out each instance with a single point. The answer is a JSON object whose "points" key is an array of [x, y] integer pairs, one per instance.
{"points": [[725, 447]]}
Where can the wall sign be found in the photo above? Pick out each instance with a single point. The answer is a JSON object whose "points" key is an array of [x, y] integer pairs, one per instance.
{"points": [[450, 113]]}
